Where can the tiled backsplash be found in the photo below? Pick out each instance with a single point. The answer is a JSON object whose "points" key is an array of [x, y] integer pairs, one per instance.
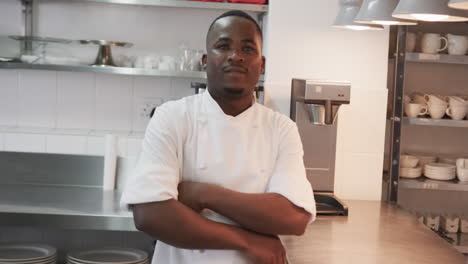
{"points": [[69, 113]]}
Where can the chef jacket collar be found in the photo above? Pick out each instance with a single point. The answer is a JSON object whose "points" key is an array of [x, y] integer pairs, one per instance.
{"points": [[212, 108]]}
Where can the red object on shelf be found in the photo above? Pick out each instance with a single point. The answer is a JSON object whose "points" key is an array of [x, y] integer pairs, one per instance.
{"points": [[207, 0], [259, 2]]}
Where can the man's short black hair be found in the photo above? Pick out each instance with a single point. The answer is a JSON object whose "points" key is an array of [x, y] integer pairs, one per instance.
{"points": [[236, 13]]}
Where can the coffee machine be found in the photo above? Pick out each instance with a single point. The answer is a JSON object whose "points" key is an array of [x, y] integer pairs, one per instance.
{"points": [[314, 108]]}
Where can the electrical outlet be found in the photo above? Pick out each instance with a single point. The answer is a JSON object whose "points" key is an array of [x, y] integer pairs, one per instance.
{"points": [[143, 108], [146, 108]]}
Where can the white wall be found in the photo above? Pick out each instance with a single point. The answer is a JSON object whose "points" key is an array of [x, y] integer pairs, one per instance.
{"points": [[302, 44], [69, 112], [41, 107]]}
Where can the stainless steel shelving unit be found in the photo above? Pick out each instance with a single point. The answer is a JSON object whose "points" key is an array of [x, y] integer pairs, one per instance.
{"points": [[436, 58], [187, 4], [428, 184], [398, 120], [28, 18], [435, 122]]}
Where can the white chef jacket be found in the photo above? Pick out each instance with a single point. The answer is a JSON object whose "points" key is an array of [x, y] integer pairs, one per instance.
{"points": [[192, 139]]}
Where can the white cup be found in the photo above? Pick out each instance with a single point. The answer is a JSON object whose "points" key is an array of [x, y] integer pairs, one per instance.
{"points": [[167, 63], [415, 109], [457, 101], [462, 169], [146, 62], [457, 45], [436, 111], [419, 98], [457, 112], [410, 42], [435, 99], [406, 99], [430, 43]]}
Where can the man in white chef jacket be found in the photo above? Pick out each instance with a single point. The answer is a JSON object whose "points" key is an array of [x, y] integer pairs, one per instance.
{"points": [[220, 176]]}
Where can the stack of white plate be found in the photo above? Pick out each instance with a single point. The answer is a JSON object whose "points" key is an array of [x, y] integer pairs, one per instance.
{"points": [[108, 255], [440, 171], [27, 254]]}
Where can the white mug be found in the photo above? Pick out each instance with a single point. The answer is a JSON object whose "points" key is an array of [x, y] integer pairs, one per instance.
{"points": [[435, 99], [457, 45], [167, 63], [462, 169], [406, 99], [419, 98], [414, 109], [462, 163], [430, 43], [457, 112], [436, 111], [410, 42], [457, 101]]}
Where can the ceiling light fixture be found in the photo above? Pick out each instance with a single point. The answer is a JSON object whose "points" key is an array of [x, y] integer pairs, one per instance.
{"points": [[380, 12], [458, 4], [348, 11], [428, 10]]}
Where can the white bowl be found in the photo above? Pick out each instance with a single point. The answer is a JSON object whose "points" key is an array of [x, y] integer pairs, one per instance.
{"points": [[424, 158], [408, 161], [410, 172]]}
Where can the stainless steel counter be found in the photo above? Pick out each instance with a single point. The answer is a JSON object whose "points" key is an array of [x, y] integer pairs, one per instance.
{"points": [[373, 233], [62, 207]]}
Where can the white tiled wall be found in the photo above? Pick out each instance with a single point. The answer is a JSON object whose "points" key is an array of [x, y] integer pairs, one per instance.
{"points": [[76, 100], [2, 140], [69, 113], [25, 142], [37, 98], [9, 98], [113, 102], [66, 144]]}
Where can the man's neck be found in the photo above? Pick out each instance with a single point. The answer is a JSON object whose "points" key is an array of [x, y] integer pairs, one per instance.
{"points": [[233, 106]]}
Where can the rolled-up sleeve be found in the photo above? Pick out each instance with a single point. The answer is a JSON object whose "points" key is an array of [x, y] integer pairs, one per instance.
{"points": [[157, 173], [289, 176]]}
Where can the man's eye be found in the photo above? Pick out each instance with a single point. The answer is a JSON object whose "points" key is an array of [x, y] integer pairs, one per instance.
{"points": [[223, 47], [248, 49]]}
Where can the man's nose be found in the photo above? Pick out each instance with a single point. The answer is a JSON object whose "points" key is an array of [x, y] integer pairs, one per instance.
{"points": [[235, 55]]}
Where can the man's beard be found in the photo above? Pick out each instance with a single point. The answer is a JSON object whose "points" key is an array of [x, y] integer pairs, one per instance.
{"points": [[233, 91]]}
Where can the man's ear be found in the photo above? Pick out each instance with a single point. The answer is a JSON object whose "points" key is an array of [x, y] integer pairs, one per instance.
{"points": [[203, 60], [263, 64]]}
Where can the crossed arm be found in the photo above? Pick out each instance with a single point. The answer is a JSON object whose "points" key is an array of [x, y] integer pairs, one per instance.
{"points": [[178, 223]]}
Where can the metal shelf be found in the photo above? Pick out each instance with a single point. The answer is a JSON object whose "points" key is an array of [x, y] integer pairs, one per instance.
{"points": [[188, 4], [435, 122], [460, 242], [428, 184], [109, 70], [436, 58], [62, 207]]}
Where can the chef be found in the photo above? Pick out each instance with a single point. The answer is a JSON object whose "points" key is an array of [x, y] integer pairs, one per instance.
{"points": [[220, 177]]}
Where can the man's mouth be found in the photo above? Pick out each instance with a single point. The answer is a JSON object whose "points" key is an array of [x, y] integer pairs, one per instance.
{"points": [[234, 69]]}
